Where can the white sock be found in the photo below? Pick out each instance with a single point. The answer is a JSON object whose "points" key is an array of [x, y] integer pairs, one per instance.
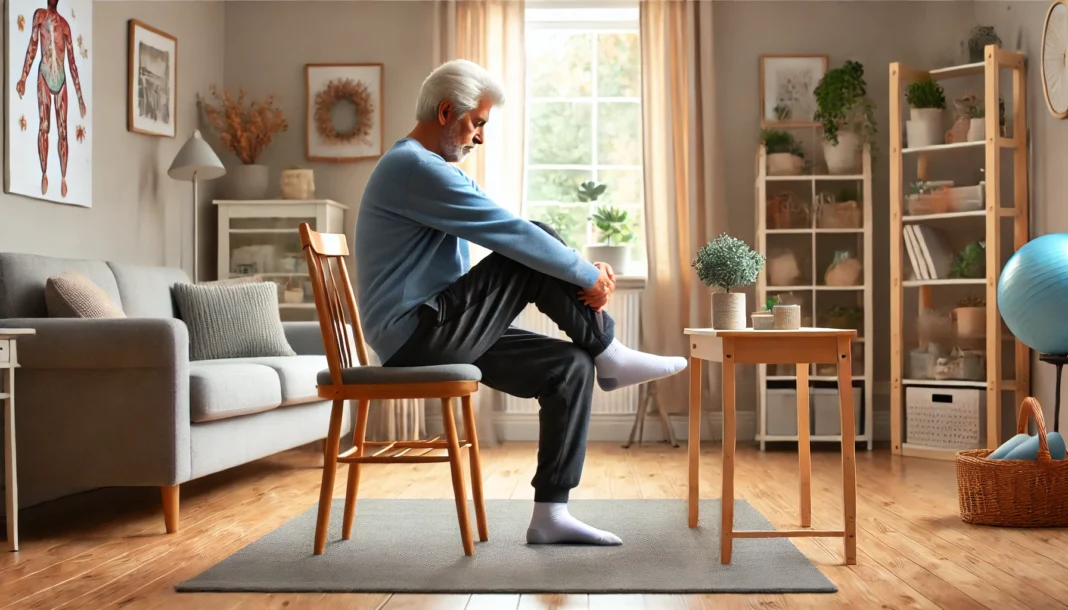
{"points": [[552, 524], [618, 366]]}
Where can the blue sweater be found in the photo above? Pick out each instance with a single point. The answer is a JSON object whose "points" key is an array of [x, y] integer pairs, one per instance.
{"points": [[417, 215]]}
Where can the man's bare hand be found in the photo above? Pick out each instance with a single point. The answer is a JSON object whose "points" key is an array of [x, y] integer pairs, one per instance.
{"points": [[597, 296]]}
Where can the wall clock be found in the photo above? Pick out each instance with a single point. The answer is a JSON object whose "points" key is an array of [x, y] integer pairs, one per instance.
{"points": [[1055, 59]]}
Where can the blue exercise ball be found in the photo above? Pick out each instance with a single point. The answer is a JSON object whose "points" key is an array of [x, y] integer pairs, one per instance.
{"points": [[1033, 294]]}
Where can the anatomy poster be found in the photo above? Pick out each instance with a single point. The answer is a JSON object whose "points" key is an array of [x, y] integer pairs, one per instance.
{"points": [[49, 110]]}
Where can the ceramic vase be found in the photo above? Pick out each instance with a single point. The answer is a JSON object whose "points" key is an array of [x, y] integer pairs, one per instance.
{"points": [[248, 182]]}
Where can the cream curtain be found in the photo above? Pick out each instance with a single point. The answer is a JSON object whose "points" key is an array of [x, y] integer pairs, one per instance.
{"points": [[684, 195], [491, 34]]}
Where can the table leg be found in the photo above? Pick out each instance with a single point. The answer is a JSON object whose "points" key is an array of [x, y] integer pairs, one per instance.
{"points": [[726, 530], [694, 436], [11, 494], [804, 445], [849, 448]]}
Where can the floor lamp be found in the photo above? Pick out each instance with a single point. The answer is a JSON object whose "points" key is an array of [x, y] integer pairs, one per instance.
{"points": [[196, 161]]}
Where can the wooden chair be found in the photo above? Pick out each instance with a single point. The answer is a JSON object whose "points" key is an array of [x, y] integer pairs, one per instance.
{"points": [[346, 380]]}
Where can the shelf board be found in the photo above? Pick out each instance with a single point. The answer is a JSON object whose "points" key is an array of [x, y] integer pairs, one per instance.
{"points": [[4, 395], [1001, 142], [950, 282], [810, 378], [810, 230], [958, 71], [933, 453], [297, 305], [943, 216], [810, 177], [950, 383]]}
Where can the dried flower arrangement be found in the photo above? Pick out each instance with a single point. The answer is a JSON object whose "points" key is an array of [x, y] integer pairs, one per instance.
{"points": [[339, 91], [245, 130]]}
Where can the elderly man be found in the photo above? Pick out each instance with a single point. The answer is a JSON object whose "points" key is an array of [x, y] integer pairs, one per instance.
{"points": [[422, 304]]}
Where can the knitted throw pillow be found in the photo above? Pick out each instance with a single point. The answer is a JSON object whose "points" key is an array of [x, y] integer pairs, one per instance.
{"points": [[72, 295], [232, 320]]}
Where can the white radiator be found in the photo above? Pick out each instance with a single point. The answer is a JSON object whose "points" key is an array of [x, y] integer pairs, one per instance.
{"points": [[625, 307]]}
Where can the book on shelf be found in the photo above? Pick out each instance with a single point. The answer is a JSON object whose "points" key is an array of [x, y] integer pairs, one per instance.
{"points": [[929, 252]]}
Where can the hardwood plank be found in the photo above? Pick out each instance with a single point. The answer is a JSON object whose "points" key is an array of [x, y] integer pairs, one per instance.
{"points": [[488, 601], [412, 601], [554, 602]]}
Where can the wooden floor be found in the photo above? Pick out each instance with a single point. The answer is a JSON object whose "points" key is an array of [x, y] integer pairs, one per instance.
{"points": [[107, 548]]}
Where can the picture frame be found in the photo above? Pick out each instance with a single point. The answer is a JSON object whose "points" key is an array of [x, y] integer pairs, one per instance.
{"points": [[343, 112], [787, 89], [152, 83]]}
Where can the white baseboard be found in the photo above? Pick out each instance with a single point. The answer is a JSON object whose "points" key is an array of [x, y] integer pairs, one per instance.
{"points": [[616, 428]]}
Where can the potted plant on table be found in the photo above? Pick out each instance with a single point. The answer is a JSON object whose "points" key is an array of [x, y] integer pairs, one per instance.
{"points": [[847, 115], [246, 131], [784, 154], [926, 100], [725, 263], [613, 233]]}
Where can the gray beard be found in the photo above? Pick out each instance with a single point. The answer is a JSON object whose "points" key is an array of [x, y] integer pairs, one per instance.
{"points": [[453, 149]]}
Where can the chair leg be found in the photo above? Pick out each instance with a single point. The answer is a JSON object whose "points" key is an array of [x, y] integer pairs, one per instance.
{"points": [[170, 507], [326, 492], [476, 468], [458, 488], [358, 437]]}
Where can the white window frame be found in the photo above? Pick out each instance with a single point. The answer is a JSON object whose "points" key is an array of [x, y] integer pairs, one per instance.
{"points": [[590, 16]]}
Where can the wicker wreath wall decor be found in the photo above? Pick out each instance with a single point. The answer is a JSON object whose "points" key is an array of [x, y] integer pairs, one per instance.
{"points": [[344, 90]]}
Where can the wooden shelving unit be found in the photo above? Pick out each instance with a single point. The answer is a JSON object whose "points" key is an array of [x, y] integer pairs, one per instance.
{"points": [[999, 211], [817, 245]]}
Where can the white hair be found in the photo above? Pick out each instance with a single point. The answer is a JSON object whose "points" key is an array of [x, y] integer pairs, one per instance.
{"points": [[460, 81]]}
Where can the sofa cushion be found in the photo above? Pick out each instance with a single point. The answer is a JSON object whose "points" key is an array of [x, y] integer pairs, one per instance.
{"points": [[405, 374], [297, 375], [146, 290], [72, 295], [23, 278], [232, 320], [219, 389]]}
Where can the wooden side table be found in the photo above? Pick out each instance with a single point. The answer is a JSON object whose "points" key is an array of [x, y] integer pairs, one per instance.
{"points": [[801, 347], [8, 363]]}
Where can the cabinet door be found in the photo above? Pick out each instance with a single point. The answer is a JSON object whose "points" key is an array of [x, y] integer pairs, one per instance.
{"points": [[265, 242]]}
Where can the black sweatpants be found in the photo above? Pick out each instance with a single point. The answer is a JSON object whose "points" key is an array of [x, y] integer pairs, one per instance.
{"points": [[471, 323]]}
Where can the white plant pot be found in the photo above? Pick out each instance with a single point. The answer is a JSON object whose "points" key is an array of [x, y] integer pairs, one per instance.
{"points": [[615, 256], [926, 115], [785, 164], [923, 133], [728, 310], [843, 158], [977, 130]]}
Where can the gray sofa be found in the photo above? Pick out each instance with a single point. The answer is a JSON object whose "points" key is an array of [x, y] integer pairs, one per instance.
{"points": [[117, 402]]}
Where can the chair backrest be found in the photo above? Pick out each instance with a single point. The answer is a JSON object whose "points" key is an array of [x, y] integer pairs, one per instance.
{"points": [[334, 301]]}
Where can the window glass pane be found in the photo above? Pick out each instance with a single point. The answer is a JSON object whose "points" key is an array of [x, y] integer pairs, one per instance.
{"points": [[559, 63], [559, 133], [618, 65], [624, 186], [556, 185], [568, 220], [636, 222], [619, 133]]}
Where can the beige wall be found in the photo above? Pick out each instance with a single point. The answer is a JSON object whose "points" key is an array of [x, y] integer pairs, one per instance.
{"points": [[132, 195], [1020, 26], [268, 43]]}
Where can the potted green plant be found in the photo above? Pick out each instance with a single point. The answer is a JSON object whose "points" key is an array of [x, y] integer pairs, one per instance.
{"points": [[926, 100], [613, 236], [970, 262], [982, 35], [844, 317], [722, 264], [847, 115], [785, 156], [970, 314]]}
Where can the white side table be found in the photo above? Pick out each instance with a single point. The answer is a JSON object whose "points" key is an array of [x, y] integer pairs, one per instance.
{"points": [[8, 363]]}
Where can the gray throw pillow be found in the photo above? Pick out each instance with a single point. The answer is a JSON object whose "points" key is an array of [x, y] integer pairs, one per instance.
{"points": [[232, 320]]}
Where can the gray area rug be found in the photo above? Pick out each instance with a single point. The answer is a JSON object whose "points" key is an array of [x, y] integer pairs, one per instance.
{"points": [[413, 546]]}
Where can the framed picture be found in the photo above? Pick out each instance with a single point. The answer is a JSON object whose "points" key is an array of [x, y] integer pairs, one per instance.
{"points": [[343, 113], [152, 88], [49, 105], [788, 88]]}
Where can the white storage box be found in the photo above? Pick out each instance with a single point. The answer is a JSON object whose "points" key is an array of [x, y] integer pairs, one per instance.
{"points": [[945, 418], [827, 415], [782, 412]]}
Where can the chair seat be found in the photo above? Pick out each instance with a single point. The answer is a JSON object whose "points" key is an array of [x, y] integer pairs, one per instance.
{"points": [[376, 375]]}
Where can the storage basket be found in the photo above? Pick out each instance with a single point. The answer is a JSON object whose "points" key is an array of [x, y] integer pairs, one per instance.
{"points": [[1014, 493]]}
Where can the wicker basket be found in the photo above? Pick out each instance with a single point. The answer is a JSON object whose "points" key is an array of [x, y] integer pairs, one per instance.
{"points": [[1014, 493]]}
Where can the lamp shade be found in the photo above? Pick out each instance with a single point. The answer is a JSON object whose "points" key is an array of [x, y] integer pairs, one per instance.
{"points": [[196, 157]]}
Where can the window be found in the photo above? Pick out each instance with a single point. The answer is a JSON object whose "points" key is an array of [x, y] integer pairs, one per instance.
{"points": [[584, 120]]}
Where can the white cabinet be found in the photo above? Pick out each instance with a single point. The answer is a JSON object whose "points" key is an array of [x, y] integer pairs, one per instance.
{"points": [[260, 237]]}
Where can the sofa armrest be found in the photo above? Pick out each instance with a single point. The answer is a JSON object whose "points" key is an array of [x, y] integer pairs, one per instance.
{"points": [[306, 338], [101, 402], [79, 343]]}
